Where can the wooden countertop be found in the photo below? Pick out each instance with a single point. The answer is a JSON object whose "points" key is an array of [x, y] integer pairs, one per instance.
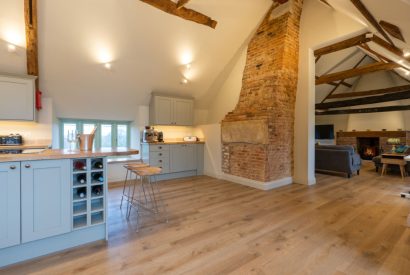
{"points": [[67, 154], [175, 142]]}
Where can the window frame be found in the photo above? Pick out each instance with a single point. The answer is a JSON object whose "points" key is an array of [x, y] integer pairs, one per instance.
{"points": [[97, 140]]}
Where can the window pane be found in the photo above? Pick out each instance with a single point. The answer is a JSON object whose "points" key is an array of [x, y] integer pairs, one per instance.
{"points": [[122, 135], [106, 135], [68, 127], [87, 128]]}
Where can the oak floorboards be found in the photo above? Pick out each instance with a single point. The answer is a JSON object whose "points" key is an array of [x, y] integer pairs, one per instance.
{"points": [[338, 226]]}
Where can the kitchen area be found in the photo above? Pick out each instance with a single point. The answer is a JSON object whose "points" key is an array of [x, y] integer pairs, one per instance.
{"points": [[54, 197]]}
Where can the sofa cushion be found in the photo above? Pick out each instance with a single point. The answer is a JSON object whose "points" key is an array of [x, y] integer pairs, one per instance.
{"points": [[349, 148]]}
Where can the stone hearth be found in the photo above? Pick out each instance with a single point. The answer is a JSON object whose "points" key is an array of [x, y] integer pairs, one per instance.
{"points": [[257, 136]]}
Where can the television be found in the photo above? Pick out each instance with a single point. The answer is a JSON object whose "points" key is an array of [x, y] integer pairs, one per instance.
{"points": [[324, 131]]}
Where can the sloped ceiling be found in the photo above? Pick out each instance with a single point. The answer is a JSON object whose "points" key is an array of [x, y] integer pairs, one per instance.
{"points": [[393, 11], [146, 47]]}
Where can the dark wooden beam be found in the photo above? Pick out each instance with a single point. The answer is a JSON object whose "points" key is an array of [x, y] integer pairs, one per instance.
{"points": [[364, 100], [182, 3], [335, 84], [326, 3], [392, 29], [364, 110], [351, 42], [170, 7], [369, 17], [371, 92], [393, 49], [340, 82], [374, 67], [30, 18]]}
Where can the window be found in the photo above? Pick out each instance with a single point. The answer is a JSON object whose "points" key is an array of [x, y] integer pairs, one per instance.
{"points": [[108, 134]]}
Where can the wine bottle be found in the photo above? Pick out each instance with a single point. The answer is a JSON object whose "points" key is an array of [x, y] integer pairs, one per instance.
{"points": [[81, 192], [82, 178], [98, 177], [98, 165], [97, 190], [80, 165]]}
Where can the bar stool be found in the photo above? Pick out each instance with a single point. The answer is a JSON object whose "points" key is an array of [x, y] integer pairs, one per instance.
{"points": [[129, 167], [149, 195]]}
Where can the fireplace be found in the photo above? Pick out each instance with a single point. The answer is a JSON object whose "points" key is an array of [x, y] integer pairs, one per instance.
{"points": [[368, 147]]}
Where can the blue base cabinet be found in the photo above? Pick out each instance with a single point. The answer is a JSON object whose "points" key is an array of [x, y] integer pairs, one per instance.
{"points": [[45, 199], [9, 204]]}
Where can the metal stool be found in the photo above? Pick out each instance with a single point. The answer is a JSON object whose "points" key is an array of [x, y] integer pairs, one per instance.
{"points": [[129, 167], [149, 195]]}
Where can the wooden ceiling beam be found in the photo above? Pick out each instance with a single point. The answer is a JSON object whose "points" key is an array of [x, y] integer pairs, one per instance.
{"points": [[351, 42], [374, 67], [182, 3], [371, 92], [369, 17], [170, 7], [336, 84], [364, 110], [392, 29], [30, 18], [364, 100], [340, 82], [393, 49]]}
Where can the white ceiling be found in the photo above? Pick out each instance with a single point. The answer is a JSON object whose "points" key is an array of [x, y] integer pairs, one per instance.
{"points": [[146, 47]]}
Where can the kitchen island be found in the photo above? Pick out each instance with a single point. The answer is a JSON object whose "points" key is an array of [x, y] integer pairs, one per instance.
{"points": [[52, 200]]}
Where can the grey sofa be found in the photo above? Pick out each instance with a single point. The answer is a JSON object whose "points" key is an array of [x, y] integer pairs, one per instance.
{"points": [[337, 159]]}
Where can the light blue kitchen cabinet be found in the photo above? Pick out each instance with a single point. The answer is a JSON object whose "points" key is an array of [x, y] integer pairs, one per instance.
{"points": [[165, 110], [182, 157], [45, 199], [9, 204]]}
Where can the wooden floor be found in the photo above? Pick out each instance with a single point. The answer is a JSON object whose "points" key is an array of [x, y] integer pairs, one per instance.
{"points": [[339, 226]]}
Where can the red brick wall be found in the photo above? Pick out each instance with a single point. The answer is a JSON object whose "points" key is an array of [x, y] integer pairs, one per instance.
{"points": [[269, 87]]}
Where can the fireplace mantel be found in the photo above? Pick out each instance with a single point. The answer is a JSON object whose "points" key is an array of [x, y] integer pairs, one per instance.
{"points": [[353, 137]]}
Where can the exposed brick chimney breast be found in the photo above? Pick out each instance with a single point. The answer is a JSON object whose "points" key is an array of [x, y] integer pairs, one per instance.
{"points": [[257, 136]]}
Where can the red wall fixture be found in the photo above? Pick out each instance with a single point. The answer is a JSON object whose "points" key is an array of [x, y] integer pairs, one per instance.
{"points": [[38, 100]]}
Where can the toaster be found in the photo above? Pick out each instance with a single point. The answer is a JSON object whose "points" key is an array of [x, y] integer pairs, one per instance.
{"points": [[191, 138]]}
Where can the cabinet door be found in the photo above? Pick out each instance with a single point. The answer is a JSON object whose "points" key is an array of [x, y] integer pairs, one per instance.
{"points": [[182, 158], [9, 204], [183, 112], [17, 98], [163, 111], [45, 199]]}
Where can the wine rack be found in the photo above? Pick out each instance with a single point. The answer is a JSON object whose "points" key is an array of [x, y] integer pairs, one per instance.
{"points": [[89, 188]]}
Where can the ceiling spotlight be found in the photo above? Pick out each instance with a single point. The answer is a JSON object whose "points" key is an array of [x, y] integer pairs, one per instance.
{"points": [[188, 66], [184, 81], [407, 72], [406, 53], [11, 48], [108, 66]]}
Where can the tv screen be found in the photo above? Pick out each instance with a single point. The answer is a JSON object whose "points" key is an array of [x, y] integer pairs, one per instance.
{"points": [[324, 132]]}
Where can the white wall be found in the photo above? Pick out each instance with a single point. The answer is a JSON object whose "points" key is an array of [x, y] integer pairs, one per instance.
{"points": [[320, 25]]}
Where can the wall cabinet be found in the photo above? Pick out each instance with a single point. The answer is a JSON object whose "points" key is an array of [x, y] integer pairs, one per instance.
{"points": [[9, 204], [17, 95], [171, 111], [45, 199]]}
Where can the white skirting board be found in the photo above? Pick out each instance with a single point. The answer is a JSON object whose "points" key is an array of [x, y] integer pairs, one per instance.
{"points": [[258, 184]]}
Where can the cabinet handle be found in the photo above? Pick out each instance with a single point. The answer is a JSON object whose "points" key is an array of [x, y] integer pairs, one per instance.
{"points": [[27, 165], [160, 160], [12, 167], [160, 154], [160, 147]]}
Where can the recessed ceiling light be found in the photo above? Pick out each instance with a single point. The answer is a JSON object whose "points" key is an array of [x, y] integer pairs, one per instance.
{"points": [[188, 66], [11, 48], [184, 81], [108, 66]]}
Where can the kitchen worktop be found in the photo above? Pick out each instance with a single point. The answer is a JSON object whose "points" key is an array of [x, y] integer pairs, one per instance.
{"points": [[68, 154], [176, 142]]}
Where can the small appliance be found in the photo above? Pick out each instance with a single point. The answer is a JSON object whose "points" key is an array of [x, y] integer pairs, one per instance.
{"points": [[150, 134], [160, 136], [12, 139], [191, 138]]}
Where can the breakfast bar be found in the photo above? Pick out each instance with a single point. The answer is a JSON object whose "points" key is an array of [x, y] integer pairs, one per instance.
{"points": [[52, 200]]}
